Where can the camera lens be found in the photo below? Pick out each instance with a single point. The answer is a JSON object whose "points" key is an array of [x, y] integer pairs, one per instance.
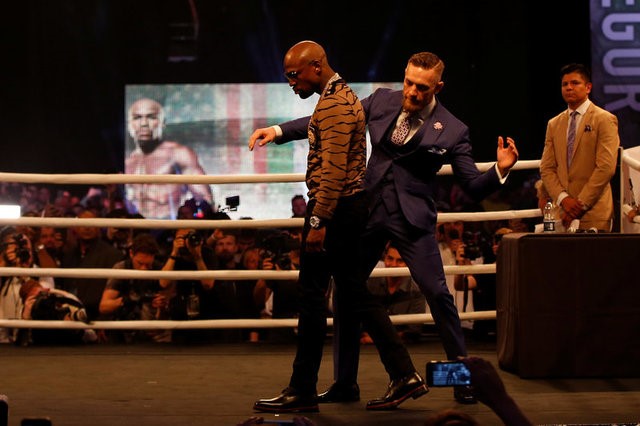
{"points": [[194, 239]]}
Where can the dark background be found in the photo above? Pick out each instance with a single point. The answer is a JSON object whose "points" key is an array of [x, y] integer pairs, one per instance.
{"points": [[66, 63]]}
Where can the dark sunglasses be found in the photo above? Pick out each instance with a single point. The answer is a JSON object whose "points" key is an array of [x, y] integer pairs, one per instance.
{"points": [[292, 75]]}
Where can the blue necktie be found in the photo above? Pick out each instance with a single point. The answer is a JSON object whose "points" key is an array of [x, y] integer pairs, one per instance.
{"points": [[571, 136]]}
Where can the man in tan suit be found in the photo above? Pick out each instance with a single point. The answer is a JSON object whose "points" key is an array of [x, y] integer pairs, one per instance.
{"points": [[580, 152]]}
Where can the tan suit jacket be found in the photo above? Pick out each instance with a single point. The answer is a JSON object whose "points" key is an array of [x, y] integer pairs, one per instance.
{"points": [[592, 166]]}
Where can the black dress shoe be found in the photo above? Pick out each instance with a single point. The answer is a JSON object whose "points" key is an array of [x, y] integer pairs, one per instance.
{"points": [[340, 393], [289, 401], [411, 386], [464, 395]]}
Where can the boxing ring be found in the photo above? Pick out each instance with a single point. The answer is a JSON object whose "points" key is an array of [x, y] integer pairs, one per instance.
{"points": [[105, 179]]}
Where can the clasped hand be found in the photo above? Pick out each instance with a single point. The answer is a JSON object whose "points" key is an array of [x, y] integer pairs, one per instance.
{"points": [[573, 209]]}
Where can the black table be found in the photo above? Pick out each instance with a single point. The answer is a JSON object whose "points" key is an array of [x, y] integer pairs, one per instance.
{"points": [[568, 305]]}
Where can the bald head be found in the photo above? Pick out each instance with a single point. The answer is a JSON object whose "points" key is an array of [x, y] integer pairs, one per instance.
{"points": [[145, 122], [305, 51], [307, 68]]}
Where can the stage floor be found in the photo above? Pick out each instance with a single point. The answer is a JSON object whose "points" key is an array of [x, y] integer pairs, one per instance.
{"points": [[216, 384]]}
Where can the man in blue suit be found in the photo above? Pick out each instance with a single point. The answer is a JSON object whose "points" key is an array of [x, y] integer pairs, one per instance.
{"points": [[412, 136]]}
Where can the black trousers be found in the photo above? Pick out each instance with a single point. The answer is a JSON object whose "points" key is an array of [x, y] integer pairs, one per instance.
{"points": [[341, 259], [419, 249]]}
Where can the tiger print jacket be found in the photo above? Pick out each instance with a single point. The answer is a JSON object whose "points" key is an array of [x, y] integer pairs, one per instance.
{"points": [[337, 147]]}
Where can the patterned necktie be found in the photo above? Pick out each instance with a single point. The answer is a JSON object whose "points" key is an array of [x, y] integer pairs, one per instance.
{"points": [[401, 131], [571, 136]]}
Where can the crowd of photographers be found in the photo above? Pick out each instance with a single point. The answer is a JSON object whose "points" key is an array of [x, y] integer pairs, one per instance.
{"points": [[181, 250]]}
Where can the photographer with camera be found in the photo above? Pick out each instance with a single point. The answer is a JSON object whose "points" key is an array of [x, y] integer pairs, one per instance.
{"points": [[192, 297], [451, 243], [137, 299], [230, 298], [280, 251], [468, 251], [482, 286], [16, 252]]}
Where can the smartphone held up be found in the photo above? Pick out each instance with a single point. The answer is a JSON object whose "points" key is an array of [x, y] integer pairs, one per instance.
{"points": [[448, 373]]}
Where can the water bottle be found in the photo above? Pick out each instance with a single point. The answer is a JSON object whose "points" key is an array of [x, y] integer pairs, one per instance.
{"points": [[549, 220]]}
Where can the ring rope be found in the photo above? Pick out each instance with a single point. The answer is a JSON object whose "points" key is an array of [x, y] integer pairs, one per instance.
{"points": [[632, 162], [224, 224], [70, 222], [210, 324], [216, 274], [221, 224], [104, 179]]}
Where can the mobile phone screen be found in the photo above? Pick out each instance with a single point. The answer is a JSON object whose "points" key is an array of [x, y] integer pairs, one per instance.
{"points": [[448, 373]]}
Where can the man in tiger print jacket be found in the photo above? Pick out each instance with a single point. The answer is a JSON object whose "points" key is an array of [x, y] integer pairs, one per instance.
{"points": [[336, 215]]}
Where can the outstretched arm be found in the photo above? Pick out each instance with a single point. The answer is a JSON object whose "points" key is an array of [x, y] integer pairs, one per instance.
{"points": [[263, 136]]}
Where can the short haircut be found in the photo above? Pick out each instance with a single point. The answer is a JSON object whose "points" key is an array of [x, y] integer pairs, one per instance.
{"points": [[145, 243], [428, 61], [581, 69]]}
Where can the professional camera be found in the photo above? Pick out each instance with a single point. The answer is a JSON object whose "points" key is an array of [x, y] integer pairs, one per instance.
{"points": [[132, 301], [191, 239], [472, 241], [22, 251], [277, 247]]}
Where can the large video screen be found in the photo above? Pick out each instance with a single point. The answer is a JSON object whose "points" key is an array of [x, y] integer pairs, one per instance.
{"points": [[210, 125]]}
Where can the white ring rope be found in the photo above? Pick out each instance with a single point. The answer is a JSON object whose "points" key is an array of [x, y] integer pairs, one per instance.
{"points": [[212, 224], [105, 179], [215, 274], [209, 324], [70, 222], [632, 162]]}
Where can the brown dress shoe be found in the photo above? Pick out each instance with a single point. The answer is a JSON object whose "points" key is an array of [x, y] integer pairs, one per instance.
{"points": [[410, 386]]}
